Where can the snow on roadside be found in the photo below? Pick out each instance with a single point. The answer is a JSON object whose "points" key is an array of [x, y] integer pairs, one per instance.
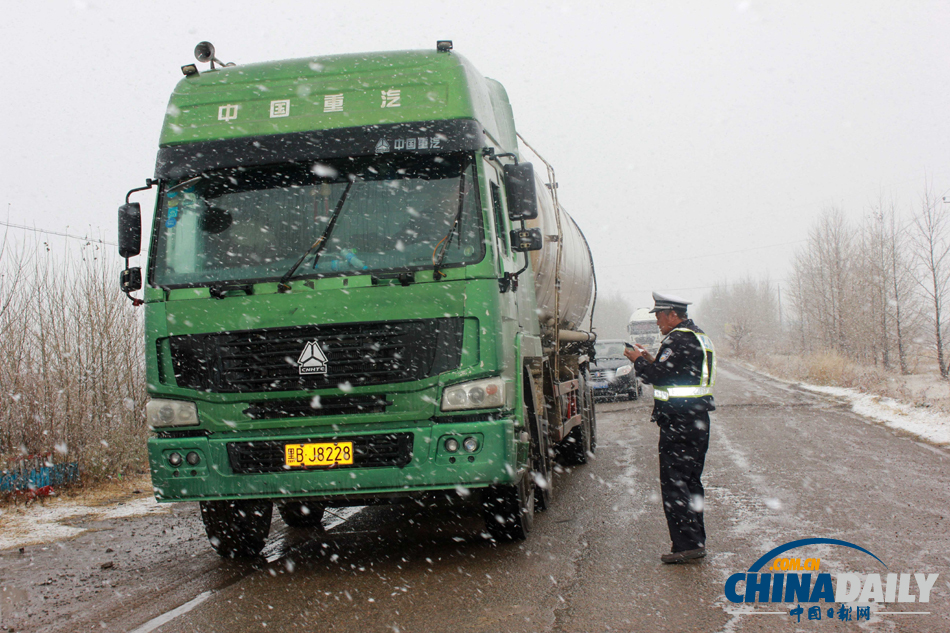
{"points": [[932, 427], [48, 522]]}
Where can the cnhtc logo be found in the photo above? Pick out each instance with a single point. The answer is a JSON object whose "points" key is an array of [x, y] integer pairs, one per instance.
{"points": [[312, 360]]}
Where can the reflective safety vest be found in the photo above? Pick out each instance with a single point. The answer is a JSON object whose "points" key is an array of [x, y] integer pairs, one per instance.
{"points": [[706, 381]]}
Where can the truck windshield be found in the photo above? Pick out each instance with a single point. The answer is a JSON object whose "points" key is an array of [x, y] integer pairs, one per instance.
{"points": [[252, 224], [643, 327]]}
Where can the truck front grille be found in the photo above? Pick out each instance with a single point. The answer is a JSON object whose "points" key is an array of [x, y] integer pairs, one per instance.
{"points": [[369, 451], [316, 407], [356, 354]]}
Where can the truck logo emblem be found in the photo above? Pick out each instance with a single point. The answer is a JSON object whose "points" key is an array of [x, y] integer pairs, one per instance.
{"points": [[312, 360], [227, 112], [382, 146]]}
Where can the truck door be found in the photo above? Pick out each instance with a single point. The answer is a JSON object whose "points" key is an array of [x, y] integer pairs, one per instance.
{"points": [[521, 299]]}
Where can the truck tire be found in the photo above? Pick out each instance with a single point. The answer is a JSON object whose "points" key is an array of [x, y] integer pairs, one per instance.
{"points": [[301, 514], [575, 447], [508, 510], [239, 528]]}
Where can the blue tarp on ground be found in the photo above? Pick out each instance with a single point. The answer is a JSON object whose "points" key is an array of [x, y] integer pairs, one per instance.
{"points": [[30, 475]]}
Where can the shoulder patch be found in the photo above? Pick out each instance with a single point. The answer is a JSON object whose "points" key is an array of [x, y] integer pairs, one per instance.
{"points": [[666, 354]]}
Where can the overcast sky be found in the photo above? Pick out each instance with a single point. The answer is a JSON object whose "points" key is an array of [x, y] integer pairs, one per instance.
{"points": [[694, 142]]}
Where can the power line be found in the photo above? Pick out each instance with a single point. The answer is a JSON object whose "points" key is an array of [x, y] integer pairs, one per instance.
{"points": [[59, 233]]}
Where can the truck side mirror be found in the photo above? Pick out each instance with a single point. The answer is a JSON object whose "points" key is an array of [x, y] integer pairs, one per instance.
{"points": [[523, 240], [522, 196], [130, 230], [130, 280]]}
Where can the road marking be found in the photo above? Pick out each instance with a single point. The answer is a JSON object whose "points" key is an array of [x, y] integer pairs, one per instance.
{"points": [[154, 623]]}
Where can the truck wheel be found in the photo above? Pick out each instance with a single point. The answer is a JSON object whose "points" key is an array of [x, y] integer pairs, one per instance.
{"points": [[508, 510], [237, 529], [301, 514], [574, 448]]}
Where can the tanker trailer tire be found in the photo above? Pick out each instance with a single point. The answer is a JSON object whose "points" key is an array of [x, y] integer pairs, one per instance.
{"points": [[237, 528], [579, 443], [508, 510], [301, 514]]}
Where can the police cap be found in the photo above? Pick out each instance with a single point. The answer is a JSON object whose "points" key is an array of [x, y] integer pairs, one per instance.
{"points": [[668, 302]]}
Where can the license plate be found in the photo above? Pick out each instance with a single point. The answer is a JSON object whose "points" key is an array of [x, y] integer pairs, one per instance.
{"points": [[327, 454], [598, 384]]}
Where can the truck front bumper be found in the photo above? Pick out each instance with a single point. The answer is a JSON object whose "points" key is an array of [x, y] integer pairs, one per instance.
{"points": [[390, 462]]}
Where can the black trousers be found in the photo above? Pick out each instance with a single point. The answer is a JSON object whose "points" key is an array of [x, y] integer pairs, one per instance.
{"points": [[684, 440]]}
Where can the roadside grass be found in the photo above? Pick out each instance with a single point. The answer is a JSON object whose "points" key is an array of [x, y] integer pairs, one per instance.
{"points": [[110, 491], [921, 387], [103, 492]]}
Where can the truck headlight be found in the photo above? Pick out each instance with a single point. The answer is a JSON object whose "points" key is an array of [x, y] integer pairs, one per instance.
{"points": [[160, 413], [623, 371], [478, 394]]}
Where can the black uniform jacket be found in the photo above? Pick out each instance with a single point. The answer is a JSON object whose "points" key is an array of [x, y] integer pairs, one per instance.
{"points": [[679, 362]]}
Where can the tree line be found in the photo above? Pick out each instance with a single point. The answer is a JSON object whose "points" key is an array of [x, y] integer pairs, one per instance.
{"points": [[72, 369], [872, 291]]}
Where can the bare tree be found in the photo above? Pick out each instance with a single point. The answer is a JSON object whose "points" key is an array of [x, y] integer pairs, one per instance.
{"points": [[932, 252], [902, 281], [823, 283], [876, 273], [745, 314], [72, 371]]}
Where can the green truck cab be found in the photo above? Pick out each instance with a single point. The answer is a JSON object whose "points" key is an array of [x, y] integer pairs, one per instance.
{"points": [[343, 296]]}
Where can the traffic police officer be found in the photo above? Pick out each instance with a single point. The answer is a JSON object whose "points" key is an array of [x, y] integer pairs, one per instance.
{"points": [[682, 375]]}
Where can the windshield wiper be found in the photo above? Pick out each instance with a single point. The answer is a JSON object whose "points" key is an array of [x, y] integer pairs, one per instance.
{"points": [[184, 184], [320, 243], [221, 290], [437, 274]]}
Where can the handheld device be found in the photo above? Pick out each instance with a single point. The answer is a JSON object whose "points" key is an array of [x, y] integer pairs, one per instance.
{"points": [[629, 345]]}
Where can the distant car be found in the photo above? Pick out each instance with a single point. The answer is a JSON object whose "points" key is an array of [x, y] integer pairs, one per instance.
{"points": [[612, 376]]}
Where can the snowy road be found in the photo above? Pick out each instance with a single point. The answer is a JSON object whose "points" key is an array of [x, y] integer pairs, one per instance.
{"points": [[784, 464]]}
